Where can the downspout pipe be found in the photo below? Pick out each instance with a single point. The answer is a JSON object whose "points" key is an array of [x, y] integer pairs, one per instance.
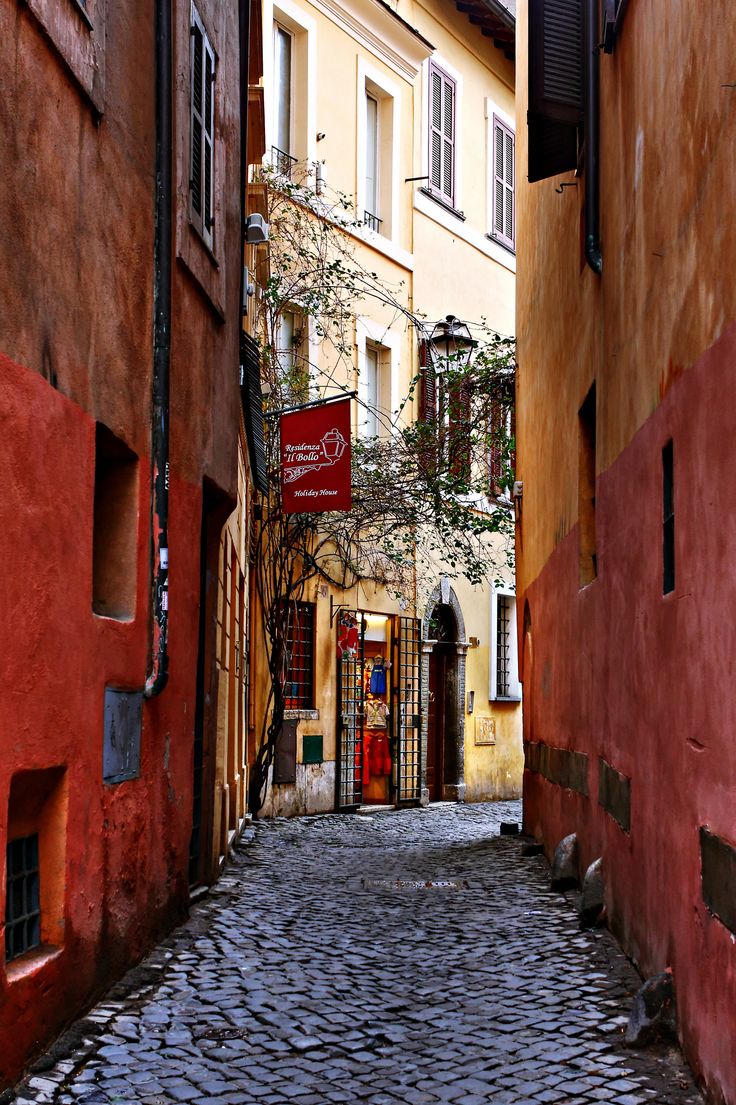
{"points": [[244, 37], [159, 674], [593, 254]]}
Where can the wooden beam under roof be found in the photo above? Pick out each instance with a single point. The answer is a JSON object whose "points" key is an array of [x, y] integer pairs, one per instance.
{"points": [[496, 20]]}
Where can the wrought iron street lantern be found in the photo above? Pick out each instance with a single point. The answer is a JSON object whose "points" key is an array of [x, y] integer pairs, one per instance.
{"points": [[451, 344]]}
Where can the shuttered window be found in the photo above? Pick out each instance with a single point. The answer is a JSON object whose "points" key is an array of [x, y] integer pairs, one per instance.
{"points": [[201, 183], [555, 86], [504, 158], [442, 97], [252, 403]]}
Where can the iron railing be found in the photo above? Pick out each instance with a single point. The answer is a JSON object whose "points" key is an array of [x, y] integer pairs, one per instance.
{"points": [[372, 221], [282, 162]]}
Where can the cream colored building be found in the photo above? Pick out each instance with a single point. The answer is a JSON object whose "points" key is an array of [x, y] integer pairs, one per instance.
{"points": [[407, 108]]}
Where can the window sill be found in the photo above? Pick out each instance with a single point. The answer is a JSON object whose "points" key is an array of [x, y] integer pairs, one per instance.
{"points": [[506, 698], [301, 715], [28, 964], [84, 15], [500, 242], [443, 203]]}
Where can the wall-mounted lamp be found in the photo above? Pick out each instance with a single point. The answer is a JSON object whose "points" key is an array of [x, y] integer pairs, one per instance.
{"points": [[256, 229]]}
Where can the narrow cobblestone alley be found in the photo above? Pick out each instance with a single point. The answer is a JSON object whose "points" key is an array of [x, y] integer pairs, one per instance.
{"points": [[318, 971]]}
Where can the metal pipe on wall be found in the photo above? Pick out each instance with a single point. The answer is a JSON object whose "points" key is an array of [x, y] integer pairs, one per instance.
{"points": [[593, 254], [159, 674]]}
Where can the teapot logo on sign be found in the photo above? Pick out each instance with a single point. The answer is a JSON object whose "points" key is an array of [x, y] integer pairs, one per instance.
{"points": [[302, 457], [315, 458]]}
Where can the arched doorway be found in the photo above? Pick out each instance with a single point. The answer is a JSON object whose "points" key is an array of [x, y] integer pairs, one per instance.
{"points": [[443, 738]]}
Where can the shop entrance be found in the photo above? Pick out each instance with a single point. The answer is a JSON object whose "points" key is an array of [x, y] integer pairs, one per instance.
{"points": [[378, 709], [442, 711]]}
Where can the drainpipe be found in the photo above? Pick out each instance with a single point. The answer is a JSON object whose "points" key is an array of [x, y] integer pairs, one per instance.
{"points": [[244, 29], [592, 181], [159, 674]]}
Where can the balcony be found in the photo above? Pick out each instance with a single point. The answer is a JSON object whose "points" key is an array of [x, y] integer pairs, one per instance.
{"points": [[282, 162]]}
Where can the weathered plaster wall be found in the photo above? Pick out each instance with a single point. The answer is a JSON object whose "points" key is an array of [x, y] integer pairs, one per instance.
{"points": [[617, 670], [118, 895], [76, 252]]}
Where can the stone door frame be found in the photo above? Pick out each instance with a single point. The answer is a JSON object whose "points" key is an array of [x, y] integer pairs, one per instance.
{"points": [[444, 594]]}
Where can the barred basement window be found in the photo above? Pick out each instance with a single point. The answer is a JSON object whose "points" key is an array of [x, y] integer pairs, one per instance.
{"points": [[22, 903], [299, 686]]}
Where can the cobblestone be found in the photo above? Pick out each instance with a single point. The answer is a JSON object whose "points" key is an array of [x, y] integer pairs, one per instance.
{"points": [[314, 973]]}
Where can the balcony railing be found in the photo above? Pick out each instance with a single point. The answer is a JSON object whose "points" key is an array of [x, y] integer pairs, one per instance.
{"points": [[282, 162], [372, 221]]}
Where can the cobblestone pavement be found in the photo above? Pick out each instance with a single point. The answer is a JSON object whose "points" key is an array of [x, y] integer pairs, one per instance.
{"points": [[317, 971]]}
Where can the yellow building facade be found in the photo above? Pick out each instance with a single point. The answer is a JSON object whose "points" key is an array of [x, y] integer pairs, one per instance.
{"points": [[408, 110]]}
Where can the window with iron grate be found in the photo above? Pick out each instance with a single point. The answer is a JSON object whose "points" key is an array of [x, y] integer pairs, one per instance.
{"points": [[299, 684], [23, 900], [504, 670]]}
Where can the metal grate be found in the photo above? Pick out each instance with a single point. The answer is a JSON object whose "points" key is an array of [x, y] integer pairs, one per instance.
{"points": [[282, 162], [350, 777], [22, 904], [299, 686], [407, 710], [503, 646], [372, 221]]}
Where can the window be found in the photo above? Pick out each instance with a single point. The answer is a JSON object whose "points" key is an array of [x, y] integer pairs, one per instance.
{"points": [[504, 215], [375, 391], [114, 527], [77, 31], [371, 216], [377, 150], [283, 47], [588, 562], [501, 449], [293, 365], [445, 411], [23, 898], [668, 519], [202, 81], [442, 98], [35, 864], [555, 86], [299, 684], [504, 673]]}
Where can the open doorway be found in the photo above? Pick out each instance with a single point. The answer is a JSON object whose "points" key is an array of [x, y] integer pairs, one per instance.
{"points": [[443, 739]]}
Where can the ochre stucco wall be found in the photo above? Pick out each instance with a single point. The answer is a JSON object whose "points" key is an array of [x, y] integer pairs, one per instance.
{"points": [[618, 670]]}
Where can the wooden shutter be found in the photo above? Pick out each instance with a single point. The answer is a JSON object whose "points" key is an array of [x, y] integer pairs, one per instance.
{"points": [[460, 428], [202, 79], [555, 86], [197, 68], [427, 408], [504, 156], [252, 403], [442, 95], [208, 145]]}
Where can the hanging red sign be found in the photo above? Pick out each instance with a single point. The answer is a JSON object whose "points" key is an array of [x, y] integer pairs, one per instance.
{"points": [[315, 459]]}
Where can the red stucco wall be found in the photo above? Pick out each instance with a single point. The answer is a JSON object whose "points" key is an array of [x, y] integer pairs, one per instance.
{"points": [[76, 255], [126, 845], [646, 681]]}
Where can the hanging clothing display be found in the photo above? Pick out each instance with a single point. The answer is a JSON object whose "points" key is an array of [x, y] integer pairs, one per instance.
{"points": [[378, 676], [376, 755], [347, 636], [376, 714]]}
